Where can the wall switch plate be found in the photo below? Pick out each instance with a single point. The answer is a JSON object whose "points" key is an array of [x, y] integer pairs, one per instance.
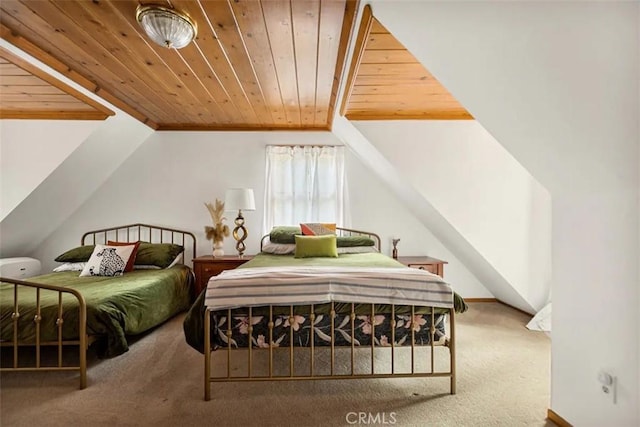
{"points": [[609, 384]]}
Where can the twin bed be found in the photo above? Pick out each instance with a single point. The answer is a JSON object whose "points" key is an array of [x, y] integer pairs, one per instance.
{"points": [[61, 309], [278, 317]]}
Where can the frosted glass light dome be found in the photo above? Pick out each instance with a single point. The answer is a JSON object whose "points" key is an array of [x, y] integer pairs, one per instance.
{"points": [[166, 27]]}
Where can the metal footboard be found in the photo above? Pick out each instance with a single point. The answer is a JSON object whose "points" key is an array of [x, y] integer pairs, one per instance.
{"points": [[312, 373], [82, 341]]}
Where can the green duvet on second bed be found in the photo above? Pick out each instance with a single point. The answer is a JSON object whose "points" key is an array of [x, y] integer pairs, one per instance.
{"points": [[116, 306]]}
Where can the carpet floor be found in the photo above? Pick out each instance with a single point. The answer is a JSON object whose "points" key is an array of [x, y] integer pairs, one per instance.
{"points": [[503, 380]]}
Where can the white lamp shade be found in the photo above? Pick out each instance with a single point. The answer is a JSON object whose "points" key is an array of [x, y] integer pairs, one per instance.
{"points": [[239, 199]]}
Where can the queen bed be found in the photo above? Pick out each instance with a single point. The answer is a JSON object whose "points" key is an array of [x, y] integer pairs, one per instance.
{"points": [[62, 309], [286, 317]]}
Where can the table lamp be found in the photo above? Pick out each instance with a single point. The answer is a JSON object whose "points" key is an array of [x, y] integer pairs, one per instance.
{"points": [[239, 199]]}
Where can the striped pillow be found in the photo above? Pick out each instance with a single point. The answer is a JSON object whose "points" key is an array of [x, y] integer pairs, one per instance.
{"points": [[317, 228]]}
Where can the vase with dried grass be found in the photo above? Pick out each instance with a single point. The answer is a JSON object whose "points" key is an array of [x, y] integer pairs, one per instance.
{"points": [[219, 231]]}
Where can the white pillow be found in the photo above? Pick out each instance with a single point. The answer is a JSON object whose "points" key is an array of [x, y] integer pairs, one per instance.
{"points": [[177, 260], [70, 266], [107, 261], [278, 248], [357, 250]]}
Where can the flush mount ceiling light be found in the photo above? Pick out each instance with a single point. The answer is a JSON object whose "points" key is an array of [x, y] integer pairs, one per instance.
{"points": [[167, 27]]}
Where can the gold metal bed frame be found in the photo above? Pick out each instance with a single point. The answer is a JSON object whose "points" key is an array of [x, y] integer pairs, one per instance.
{"points": [[132, 233], [312, 374]]}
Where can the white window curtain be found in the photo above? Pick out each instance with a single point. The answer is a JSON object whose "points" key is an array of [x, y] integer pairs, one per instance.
{"points": [[304, 184]]}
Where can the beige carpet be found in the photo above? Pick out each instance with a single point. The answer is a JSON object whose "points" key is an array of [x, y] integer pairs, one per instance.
{"points": [[503, 380]]}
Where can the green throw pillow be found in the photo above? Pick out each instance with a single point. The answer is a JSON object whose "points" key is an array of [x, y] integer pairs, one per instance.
{"points": [[316, 246], [284, 234], [351, 241], [79, 254], [158, 254]]}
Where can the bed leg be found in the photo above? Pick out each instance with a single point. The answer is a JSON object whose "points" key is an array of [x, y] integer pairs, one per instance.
{"points": [[207, 355], [82, 309], [452, 349], [83, 363]]}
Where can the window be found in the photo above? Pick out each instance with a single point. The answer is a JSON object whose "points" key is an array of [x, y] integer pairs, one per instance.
{"points": [[304, 184]]}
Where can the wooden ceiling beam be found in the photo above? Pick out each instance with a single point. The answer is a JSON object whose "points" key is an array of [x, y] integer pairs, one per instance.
{"points": [[348, 29], [52, 115], [408, 115], [356, 57]]}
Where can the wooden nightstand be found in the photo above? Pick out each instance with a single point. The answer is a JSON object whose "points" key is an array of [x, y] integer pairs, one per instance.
{"points": [[207, 266], [432, 265]]}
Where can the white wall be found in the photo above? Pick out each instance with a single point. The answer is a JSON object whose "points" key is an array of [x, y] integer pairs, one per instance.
{"points": [[375, 207], [556, 83], [70, 184], [30, 150], [167, 180], [486, 195]]}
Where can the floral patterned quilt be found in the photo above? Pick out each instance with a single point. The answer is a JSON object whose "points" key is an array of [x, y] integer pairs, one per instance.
{"points": [[365, 328], [300, 325]]}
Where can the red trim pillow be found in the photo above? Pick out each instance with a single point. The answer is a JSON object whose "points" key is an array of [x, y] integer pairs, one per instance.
{"points": [[132, 258], [317, 228]]}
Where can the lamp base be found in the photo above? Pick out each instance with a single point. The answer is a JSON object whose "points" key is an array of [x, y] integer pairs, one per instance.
{"points": [[240, 234]]}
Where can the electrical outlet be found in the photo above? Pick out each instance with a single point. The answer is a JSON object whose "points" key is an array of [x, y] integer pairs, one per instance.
{"points": [[609, 384]]}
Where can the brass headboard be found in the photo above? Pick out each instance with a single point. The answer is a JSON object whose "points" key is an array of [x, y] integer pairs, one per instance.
{"points": [[144, 233], [341, 231]]}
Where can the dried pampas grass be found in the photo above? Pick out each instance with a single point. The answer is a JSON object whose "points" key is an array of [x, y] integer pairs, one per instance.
{"points": [[219, 231]]}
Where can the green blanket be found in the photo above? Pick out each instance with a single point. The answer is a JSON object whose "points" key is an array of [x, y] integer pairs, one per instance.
{"points": [[116, 306]]}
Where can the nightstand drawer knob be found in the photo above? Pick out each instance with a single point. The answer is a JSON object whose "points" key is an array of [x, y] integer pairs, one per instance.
{"points": [[421, 268]]}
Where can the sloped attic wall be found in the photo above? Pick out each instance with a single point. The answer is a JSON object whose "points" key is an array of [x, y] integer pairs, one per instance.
{"points": [[420, 204], [557, 85], [30, 150], [482, 191]]}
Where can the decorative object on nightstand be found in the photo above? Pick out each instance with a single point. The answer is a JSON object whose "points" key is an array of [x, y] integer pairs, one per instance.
{"points": [[219, 231], [394, 253], [239, 199], [207, 266]]}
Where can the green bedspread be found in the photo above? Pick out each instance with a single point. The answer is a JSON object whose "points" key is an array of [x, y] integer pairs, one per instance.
{"points": [[116, 306]]}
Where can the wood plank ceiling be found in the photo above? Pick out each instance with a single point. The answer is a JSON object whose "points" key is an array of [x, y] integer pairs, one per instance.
{"points": [[26, 92], [386, 82], [271, 64]]}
